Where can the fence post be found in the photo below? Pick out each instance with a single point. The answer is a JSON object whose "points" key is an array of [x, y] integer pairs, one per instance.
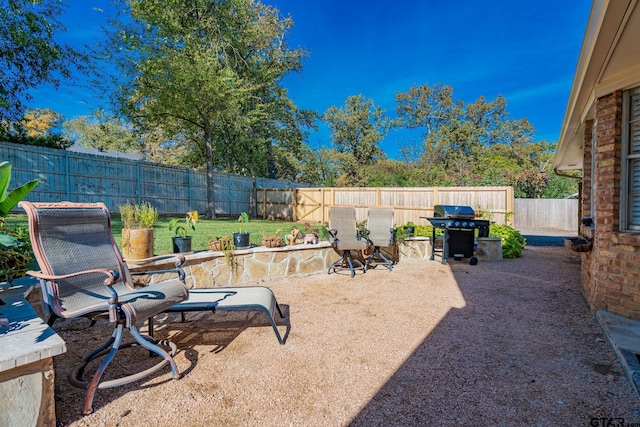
{"points": [[189, 184], [510, 206], [67, 175], [253, 198], [138, 183]]}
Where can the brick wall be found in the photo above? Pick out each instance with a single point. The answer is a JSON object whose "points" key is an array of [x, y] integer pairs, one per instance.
{"points": [[588, 285], [611, 277]]}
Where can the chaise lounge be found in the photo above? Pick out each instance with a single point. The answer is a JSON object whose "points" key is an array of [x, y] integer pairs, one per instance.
{"points": [[83, 274]]}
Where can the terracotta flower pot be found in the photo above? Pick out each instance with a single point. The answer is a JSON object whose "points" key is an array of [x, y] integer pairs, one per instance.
{"points": [[272, 242], [137, 243], [221, 244]]}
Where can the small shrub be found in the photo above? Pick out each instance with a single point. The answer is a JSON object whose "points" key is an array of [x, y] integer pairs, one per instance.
{"points": [[17, 258], [138, 216], [424, 230], [512, 241]]}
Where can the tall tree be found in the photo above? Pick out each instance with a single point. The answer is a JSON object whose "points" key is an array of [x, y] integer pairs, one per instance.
{"points": [[356, 132], [209, 72], [103, 132], [425, 107], [469, 144], [29, 53], [41, 122]]}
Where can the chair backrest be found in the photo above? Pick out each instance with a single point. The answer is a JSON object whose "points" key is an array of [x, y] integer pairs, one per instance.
{"points": [[342, 219], [380, 225], [72, 237]]}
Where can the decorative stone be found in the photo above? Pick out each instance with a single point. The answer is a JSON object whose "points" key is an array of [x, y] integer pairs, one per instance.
{"points": [[311, 266], [489, 248], [205, 269], [255, 269]]}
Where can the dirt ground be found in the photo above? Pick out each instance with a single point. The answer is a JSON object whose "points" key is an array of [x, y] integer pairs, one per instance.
{"points": [[500, 343]]}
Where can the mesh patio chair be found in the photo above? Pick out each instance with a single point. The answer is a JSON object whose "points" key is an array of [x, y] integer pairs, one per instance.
{"points": [[84, 274], [344, 237], [381, 236]]}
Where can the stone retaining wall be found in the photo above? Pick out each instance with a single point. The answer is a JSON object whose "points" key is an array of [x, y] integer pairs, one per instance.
{"points": [[211, 269]]}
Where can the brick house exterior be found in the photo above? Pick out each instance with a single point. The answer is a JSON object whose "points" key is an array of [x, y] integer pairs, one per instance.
{"points": [[599, 136]]}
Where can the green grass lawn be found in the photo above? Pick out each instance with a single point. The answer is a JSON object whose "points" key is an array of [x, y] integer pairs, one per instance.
{"points": [[206, 229]]}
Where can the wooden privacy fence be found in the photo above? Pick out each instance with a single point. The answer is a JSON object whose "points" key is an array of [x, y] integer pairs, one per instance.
{"points": [[560, 214], [410, 204], [81, 177]]}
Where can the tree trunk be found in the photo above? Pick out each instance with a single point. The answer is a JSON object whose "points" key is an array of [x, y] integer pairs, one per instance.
{"points": [[211, 202], [272, 170]]}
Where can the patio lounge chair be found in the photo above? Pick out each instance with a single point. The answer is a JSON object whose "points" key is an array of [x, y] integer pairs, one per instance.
{"points": [[381, 235], [239, 298], [83, 274], [344, 238]]}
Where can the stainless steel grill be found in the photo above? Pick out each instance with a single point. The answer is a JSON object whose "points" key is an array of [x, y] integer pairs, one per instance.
{"points": [[459, 225]]}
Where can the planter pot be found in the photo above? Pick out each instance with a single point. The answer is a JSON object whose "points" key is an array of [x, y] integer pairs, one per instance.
{"points": [[223, 244], [578, 244], [272, 242], [181, 244], [409, 230], [137, 243], [241, 240]]}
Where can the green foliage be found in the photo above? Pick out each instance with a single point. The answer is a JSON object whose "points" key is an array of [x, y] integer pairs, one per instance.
{"points": [[419, 230], [181, 226], [512, 241], [138, 216], [361, 229], [209, 75], [29, 53], [531, 184], [9, 199], [15, 247], [560, 187], [103, 132], [400, 233], [16, 133], [358, 128], [423, 230], [243, 218], [16, 254]]}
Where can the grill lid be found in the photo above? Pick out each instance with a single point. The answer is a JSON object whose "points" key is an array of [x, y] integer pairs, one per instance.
{"points": [[453, 211]]}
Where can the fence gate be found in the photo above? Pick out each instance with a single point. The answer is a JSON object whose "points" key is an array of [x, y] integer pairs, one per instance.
{"points": [[309, 205]]}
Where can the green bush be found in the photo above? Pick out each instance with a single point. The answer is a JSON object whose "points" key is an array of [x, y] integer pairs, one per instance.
{"points": [[512, 241], [424, 230], [17, 258]]}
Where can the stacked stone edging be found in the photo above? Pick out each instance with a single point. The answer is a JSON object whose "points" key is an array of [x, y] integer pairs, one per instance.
{"points": [[210, 269]]}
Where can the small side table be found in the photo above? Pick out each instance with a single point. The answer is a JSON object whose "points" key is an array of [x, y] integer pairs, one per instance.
{"points": [[26, 360]]}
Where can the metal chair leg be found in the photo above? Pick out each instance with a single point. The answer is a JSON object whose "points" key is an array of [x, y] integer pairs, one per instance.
{"points": [[108, 350]]}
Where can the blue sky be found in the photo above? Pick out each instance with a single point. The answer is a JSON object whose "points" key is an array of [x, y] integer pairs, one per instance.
{"points": [[525, 51]]}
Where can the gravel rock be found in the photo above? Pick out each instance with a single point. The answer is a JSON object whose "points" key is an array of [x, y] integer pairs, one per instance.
{"points": [[500, 343]]}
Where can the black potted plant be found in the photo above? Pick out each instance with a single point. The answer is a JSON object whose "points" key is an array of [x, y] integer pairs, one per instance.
{"points": [[409, 229], [182, 242], [241, 238]]}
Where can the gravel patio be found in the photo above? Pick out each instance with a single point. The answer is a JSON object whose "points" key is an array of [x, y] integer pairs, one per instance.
{"points": [[510, 342]]}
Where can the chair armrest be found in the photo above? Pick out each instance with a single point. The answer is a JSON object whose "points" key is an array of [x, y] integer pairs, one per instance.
{"points": [[149, 262], [112, 275], [180, 259]]}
